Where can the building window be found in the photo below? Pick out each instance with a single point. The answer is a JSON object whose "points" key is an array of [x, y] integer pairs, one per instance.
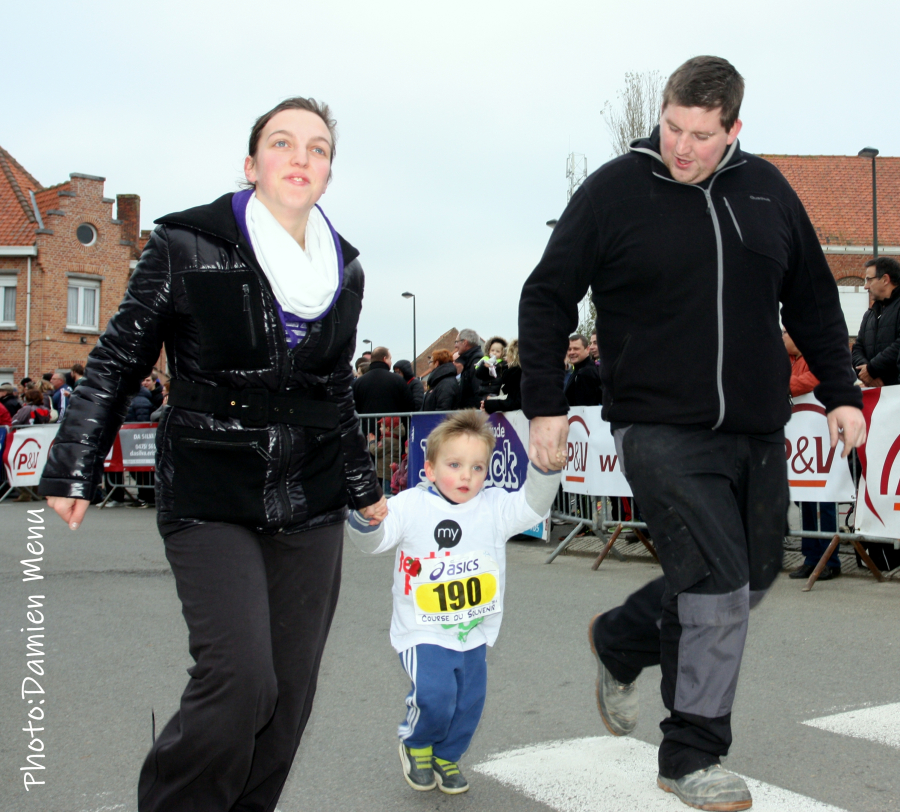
{"points": [[86, 233], [7, 301], [84, 301]]}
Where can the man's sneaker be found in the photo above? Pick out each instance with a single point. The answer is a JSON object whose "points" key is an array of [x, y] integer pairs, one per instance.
{"points": [[417, 770], [449, 778], [712, 788], [617, 701]]}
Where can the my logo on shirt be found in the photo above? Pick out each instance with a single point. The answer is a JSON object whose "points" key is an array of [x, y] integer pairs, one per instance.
{"points": [[447, 534]]}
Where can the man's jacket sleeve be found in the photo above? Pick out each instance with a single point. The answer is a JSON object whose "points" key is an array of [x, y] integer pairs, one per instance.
{"points": [[811, 312], [548, 308]]}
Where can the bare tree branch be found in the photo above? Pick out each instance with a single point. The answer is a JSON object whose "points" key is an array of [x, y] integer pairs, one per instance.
{"points": [[637, 111]]}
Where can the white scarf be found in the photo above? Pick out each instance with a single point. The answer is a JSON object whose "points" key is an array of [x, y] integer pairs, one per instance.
{"points": [[304, 282]]}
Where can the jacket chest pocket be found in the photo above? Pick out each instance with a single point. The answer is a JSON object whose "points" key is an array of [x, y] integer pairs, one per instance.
{"points": [[331, 336], [226, 309], [762, 226]]}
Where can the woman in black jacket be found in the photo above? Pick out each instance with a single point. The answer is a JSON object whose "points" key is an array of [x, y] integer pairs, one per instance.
{"points": [[510, 384], [256, 298], [443, 388]]}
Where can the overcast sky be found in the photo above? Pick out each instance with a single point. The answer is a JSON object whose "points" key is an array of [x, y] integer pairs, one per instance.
{"points": [[455, 119]]}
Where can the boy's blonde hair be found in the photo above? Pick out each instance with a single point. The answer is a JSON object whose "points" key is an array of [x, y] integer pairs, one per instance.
{"points": [[467, 422]]}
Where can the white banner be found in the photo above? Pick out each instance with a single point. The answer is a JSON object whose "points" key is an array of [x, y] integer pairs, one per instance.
{"points": [[25, 454], [592, 465], [878, 509], [816, 473], [138, 445]]}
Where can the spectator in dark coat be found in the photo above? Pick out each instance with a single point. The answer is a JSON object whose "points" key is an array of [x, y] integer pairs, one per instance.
{"points": [[141, 404], [583, 386], [380, 391], [876, 352], [468, 345], [8, 398], [510, 384], [443, 388], [416, 388]]}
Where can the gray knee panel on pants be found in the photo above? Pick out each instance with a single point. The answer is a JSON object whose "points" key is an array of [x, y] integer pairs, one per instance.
{"points": [[713, 632]]}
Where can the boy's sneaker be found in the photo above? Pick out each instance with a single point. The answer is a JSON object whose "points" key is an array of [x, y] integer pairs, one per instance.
{"points": [[616, 701], [713, 788], [417, 770], [449, 778]]}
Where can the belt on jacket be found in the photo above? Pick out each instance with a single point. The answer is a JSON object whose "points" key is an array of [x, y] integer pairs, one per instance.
{"points": [[256, 408]]}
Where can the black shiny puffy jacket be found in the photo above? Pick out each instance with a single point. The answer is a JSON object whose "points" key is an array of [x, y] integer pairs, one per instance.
{"points": [[199, 289]]}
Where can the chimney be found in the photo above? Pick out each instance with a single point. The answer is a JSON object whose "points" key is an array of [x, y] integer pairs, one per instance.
{"points": [[128, 210]]}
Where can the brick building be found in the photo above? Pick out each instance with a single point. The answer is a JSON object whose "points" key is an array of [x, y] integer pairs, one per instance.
{"points": [[837, 193], [64, 266]]}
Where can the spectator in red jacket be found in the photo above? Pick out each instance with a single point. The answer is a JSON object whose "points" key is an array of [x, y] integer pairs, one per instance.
{"points": [[802, 383]]}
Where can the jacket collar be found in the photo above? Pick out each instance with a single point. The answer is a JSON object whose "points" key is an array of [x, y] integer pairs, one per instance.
{"points": [[650, 146], [217, 220], [378, 365]]}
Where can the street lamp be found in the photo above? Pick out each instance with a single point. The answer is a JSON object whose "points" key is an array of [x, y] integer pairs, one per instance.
{"points": [[412, 296], [871, 152], [369, 342]]}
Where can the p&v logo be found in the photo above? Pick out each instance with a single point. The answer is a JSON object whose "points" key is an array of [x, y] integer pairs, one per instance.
{"points": [[26, 458], [802, 460], [447, 534]]}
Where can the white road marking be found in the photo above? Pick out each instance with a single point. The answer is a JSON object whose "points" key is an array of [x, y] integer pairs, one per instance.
{"points": [[880, 724], [603, 774]]}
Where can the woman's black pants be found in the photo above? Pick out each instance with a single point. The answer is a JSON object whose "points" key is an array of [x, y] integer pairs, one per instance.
{"points": [[258, 609]]}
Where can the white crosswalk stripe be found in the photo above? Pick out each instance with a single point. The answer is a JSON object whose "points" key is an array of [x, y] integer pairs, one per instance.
{"points": [[603, 774], [880, 724]]}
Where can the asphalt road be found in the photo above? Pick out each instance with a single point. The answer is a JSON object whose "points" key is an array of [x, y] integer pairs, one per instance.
{"points": [[116, 650]]}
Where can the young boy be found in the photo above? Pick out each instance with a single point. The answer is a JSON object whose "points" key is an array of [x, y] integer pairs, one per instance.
{"points": [[448, 589]]}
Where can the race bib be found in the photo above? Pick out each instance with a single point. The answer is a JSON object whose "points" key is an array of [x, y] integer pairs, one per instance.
{"points": [[456, 589]]}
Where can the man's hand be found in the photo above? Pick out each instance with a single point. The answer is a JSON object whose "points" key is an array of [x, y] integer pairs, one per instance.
{"points": [[848, 423], [547, 442], [862, 372], [376, 513], [71, 511]]}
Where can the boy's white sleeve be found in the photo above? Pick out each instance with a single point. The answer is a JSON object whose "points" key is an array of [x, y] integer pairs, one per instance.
{"points": [[531, 504], [373, 538]]}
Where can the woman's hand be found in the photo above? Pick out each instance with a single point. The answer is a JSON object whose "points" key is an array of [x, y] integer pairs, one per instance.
{"points": [[376, 513], [71, 511]]}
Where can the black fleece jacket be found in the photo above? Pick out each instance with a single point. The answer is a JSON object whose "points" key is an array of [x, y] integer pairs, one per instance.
{"points": [[687, 281]]}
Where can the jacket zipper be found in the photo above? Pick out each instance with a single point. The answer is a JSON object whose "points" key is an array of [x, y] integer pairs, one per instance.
{"points": [[254, 444], [248, 310], [720, 276]]}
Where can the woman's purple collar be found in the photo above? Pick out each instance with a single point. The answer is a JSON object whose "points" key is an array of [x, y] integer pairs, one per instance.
{"points": [[239, 203]]}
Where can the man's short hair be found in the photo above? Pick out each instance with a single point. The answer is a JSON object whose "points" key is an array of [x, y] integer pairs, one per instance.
{"points": [[469, 335], [579, 337], [466, 422], [7, 389], [886, 265], [381, 354], [360, 361], [78, 369], [708, 82]]}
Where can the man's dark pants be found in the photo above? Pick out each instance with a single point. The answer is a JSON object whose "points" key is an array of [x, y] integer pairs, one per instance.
{"points": [[258, 610], [715, 504]]}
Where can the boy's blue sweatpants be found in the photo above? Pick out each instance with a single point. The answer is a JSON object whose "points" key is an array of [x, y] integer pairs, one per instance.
{"points": [[445, 702]]}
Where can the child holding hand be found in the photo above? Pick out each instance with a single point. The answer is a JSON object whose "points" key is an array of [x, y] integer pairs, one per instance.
{"points": [[449, 579]]}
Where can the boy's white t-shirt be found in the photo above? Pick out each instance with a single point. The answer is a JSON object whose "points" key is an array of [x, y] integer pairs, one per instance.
{"points": [[450, 568]]}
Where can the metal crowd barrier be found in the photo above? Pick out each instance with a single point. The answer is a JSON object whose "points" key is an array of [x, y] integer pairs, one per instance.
{"points": [[387, 434], [599, 515]]}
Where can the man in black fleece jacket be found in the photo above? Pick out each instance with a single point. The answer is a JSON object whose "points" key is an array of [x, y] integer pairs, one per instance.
{"points": [[690, 246]]}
